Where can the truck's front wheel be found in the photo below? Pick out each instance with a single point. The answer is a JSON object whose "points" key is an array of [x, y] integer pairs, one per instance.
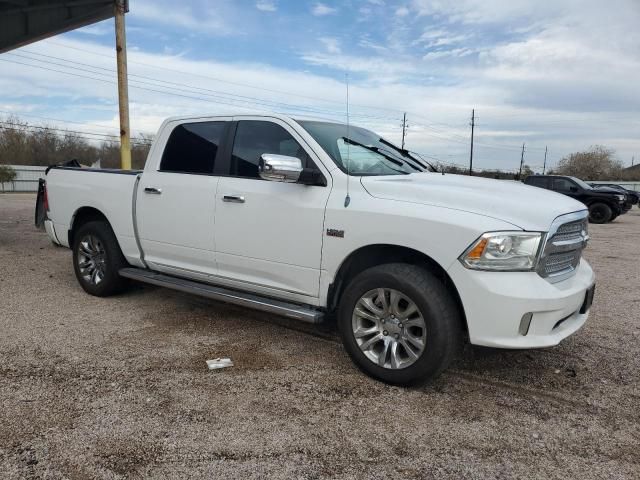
{"points": [[399, 323], [97, 259], [600, 213]]}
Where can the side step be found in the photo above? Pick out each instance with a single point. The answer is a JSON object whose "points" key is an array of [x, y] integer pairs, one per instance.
{"points": [[290, 310]]}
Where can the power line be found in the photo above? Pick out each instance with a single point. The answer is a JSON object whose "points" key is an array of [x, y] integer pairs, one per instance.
{"points": [[85, 135], [221, 97], [256, 100], [239, 84]]}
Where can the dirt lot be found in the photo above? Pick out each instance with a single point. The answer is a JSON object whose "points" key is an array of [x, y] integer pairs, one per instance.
{"points": [[118, 387]]}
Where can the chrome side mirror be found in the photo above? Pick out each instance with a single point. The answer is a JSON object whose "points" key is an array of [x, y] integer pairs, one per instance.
{"points": [[279, 168]]}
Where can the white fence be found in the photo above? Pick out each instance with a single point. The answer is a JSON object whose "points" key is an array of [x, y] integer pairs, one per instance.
{"points": [[628, 185], [26, 179]]}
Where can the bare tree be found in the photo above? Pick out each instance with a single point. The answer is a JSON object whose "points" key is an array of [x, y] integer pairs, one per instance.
{"points": [[24, 144], [597, 163]]}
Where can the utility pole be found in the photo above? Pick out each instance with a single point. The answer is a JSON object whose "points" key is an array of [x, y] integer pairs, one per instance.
{"points": [[544, 165], [121, 7], [521, 163], [632, 160], [473, 124], [404, 128]]}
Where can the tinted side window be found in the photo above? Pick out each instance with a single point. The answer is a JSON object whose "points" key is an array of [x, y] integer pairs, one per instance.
{"points": [[537, 181], [562, 184], [192, 147], [255, 137]]}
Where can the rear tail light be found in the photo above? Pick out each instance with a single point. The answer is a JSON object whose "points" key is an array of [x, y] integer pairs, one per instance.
{"points": [[46, 199]]}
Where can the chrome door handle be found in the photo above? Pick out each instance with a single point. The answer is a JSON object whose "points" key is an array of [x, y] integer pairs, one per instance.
{"points": [[233, 198], [154, 190]]}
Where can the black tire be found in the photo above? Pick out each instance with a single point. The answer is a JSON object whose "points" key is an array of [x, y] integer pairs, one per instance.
{"points": [[436, 306], [613, 217], [110, 261], [600, 213]]}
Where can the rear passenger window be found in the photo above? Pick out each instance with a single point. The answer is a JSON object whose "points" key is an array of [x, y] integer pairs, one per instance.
{"points": [[537, 181], [192, 148], [255, 137]]}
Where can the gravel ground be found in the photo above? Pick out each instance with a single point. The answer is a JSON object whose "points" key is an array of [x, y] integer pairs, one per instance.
{"points": [[118, 387]]}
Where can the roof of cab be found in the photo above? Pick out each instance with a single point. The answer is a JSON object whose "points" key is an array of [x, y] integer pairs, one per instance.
{"points": [[280, 116]]}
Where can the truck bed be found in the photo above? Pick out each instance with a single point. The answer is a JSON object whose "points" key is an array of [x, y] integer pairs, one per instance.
{"points": [[110, 191]]}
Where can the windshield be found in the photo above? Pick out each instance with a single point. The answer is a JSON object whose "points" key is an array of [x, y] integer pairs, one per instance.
{"points": [[584, 185], [361, 152]]}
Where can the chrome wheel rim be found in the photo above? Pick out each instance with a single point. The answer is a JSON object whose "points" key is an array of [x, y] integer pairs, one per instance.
{"points": [[91, 260], [389, 328]]}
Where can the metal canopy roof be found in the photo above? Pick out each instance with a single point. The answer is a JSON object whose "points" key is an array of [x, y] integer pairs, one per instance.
{"points": [[26, 21]]}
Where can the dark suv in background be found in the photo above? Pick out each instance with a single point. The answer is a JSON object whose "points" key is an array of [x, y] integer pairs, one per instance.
{"points": [[604, 204], [632, 196]]}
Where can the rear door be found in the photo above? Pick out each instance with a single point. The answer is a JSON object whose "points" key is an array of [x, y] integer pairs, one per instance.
{"points": [[537, 181], [176, 200], [269, 234]]}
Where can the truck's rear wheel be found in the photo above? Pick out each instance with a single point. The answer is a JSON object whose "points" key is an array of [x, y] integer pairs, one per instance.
{"points": [[399, 323], [97, 259], [600, 213]]}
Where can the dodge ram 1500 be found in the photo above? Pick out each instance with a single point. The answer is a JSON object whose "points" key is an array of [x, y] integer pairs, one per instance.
{"points": [[310, 218]]}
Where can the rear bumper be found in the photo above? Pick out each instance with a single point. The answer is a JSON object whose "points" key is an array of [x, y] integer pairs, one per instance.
{"points": [[51, 231], [495, 303]]}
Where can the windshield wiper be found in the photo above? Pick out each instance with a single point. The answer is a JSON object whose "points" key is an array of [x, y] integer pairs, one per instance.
{"points": [[380, 151], [406, 153]]}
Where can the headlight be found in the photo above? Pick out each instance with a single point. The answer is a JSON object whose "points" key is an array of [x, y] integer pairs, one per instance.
{"points": [[504, 251], [620, 198]]}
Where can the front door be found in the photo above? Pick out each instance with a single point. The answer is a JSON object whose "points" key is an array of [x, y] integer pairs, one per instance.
{"points": [[176, 202], [269, 234]]}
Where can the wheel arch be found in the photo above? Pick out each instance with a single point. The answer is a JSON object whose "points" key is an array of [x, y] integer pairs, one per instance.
{"points": [[82, 216], [378, 254]]}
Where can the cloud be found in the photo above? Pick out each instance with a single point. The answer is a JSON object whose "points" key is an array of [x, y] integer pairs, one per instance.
{"points": [[402, 12], [201, 17], [320, 9], [266, 6], [454, 52], [548, 73], [332, 44]]}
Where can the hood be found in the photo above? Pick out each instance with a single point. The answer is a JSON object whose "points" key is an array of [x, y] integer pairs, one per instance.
{"points": [[608, 190], [526, 207]]}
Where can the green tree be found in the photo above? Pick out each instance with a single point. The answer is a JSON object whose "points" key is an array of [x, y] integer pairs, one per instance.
{"points": [[7, 175]]}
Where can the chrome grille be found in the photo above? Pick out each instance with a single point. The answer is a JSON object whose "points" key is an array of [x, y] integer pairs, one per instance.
{"points": [[571, 230], [558, 262], [562, 251]]}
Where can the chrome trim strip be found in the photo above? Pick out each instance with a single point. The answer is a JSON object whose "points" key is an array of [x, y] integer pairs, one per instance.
{"points": [[134, 215], [265, 304], [562, 245]]}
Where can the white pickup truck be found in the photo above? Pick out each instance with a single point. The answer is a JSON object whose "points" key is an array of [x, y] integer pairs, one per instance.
{"points": [[311, 218]]}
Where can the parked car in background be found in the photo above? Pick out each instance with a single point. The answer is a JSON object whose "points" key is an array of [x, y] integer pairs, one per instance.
{"points": [[311, 218], [633, 196], [604, 204]]}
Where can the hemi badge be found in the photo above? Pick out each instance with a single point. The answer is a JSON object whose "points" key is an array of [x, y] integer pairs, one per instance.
{"points": [[332, 232]]}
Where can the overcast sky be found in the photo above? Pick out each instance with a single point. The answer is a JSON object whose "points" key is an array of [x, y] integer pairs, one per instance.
{"points": [[563, 74]]}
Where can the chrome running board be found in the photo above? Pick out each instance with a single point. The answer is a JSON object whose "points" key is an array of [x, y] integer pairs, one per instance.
{"points": [[286, 309]]}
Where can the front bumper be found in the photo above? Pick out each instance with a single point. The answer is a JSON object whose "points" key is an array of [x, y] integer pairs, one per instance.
{"points": [[495, 302]]}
